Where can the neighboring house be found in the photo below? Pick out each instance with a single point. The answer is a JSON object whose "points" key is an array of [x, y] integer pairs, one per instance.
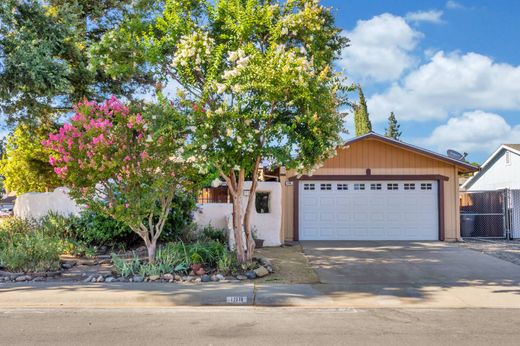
{"points": [[500, 171], [375, 188]]}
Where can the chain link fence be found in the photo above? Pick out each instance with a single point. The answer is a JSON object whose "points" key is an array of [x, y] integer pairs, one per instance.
{"points": [[490, 214], [483, 214]]}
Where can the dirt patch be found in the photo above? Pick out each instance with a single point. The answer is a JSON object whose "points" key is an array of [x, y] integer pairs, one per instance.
{"points": [[507, 250], [290, 266]]}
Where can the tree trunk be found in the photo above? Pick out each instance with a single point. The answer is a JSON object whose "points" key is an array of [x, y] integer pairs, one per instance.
{"points": [[238, 228], [247, 215], [151, 246]]}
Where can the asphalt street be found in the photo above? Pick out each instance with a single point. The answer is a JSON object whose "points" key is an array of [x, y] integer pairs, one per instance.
{"points": [[259, 326]]}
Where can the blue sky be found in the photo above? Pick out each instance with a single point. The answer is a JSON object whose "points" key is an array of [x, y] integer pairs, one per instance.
{"points": [[450, 70]]}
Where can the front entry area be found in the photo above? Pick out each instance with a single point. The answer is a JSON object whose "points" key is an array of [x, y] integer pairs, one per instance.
{"points": [[368, 210]]}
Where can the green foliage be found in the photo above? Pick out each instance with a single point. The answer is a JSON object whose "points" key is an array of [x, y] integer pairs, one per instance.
{"points": [[255, 76], [25, 248], [361, 117], [393, 129], [126, 268], [178, 225], [46, 61], [177, 258], [210, 233], [25, 162], [100, 230]]}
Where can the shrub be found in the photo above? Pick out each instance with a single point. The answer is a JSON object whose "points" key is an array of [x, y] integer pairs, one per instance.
{"points": [[210, 233], [12, 228], [32, 252], [97, 229]]}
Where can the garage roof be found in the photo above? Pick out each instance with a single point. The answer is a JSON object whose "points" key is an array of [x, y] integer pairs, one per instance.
{"points": [[463, 167]]}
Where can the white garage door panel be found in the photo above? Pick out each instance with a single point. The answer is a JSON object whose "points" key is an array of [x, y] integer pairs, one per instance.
{"points": [[376, 213]]}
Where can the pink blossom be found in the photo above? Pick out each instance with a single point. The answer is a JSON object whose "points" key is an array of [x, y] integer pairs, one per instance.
{"points": [[127, 205], [144, 155]]}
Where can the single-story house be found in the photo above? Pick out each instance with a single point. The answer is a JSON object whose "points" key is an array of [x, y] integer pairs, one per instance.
{"points": [[375, 188], [500, 171]]}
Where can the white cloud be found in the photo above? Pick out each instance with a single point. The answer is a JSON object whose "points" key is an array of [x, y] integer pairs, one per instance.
{"points": [[473, 132], [380, 48], [433, 16], [453, 5], [450, 84]]}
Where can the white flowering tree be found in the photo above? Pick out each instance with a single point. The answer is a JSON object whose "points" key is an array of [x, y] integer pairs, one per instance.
{"points": [[256, 78]]}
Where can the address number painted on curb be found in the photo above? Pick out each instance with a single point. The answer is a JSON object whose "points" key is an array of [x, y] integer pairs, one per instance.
{"points": [[236, 300]]}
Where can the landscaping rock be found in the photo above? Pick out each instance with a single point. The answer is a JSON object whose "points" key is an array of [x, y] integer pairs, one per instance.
{"points": [[168, 276], [178, 277], [241, 277], [200, 272], [68, 265], [138, 278], [100, 278], [220, 277], [251, 275], [188, 278], [110, 279], [205, 278], [38, 279], [23, 278], [154, 277], [214, 278], [197, 280], [261, 271], [89, 278], [267, 264]]}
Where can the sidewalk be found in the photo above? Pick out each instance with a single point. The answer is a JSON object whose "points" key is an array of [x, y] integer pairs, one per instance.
{"points": [[125, 295]]}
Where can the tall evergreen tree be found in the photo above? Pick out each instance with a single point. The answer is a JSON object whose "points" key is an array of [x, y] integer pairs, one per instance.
{"points": [[393, 129], [361, 116], [45, 57]]}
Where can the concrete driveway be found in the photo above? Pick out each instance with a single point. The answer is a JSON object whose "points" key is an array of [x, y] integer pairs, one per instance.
{"points": [[432, 273]]}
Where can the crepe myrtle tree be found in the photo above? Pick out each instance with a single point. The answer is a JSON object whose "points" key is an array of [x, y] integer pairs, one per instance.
{"points": [[122, 162], [256, 80]]}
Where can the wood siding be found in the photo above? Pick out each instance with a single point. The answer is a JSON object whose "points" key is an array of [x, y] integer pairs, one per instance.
{"points": [[382, 158]]}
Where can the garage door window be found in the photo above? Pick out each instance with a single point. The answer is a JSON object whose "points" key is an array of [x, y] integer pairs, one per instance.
{"points": [[325, 186], [392, 186], [359, 186], [426, 186], [309, 187], [262, 202], [409, 186], [375, 186], [342, 187]]}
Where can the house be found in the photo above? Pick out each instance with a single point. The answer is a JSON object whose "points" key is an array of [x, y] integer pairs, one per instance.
{"points": [[500, 171], [375, 188]]}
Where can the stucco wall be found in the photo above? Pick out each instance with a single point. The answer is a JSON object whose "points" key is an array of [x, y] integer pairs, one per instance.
{"points": [[382, 159], [498, 174], [36, 205], [267, 226]]}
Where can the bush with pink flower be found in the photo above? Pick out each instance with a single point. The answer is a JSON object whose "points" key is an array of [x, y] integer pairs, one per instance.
{"points": [[124, 162]]}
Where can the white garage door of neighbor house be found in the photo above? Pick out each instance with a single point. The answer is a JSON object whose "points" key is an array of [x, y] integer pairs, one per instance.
{"points": [[368, 210]]}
